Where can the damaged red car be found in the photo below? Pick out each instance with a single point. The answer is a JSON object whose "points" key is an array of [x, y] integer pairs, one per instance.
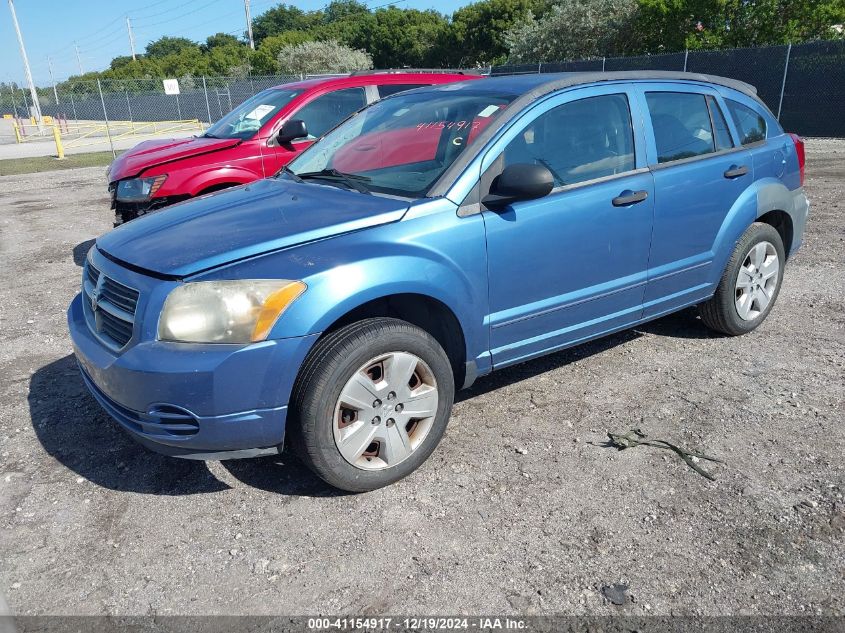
{"points": [[253, 141]]}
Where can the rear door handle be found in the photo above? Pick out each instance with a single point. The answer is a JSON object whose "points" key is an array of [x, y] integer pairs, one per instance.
{"points": [[628, 197], [736, 172]]}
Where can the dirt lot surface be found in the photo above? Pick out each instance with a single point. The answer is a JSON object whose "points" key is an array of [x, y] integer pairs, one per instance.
{"points": [[520, 510]]}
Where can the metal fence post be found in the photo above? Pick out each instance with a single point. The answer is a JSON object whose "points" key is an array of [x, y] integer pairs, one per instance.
{"points": [[106, 117], [129, 107], [207, 106], [603, 60], [783, 83], [686, 56], [178, 108], [73, 107]]}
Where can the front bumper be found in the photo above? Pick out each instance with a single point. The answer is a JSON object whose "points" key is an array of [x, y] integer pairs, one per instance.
{"points": [[127, 211], [187, 400]]}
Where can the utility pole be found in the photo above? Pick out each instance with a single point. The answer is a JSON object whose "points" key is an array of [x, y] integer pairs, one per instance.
{"points": [[36, 106], [53, 81], [131, 38], [248, 24], [78, 58]]}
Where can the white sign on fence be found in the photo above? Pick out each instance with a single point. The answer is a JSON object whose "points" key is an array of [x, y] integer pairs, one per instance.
{"points": [[171, 86]]}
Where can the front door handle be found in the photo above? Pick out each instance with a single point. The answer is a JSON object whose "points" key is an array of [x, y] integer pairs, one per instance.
{"points": [[736, 172], [628, 197]]}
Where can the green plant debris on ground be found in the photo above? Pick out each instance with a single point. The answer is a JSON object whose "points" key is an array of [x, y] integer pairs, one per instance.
{"points": [[35, 164], [635, 437]]}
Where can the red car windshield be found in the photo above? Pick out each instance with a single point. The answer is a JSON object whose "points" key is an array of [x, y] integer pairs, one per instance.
{"points": [[403, 144], [244, 121]]}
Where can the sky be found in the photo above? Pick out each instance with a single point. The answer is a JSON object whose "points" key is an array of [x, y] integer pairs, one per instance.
{"points": [[50, 28]]}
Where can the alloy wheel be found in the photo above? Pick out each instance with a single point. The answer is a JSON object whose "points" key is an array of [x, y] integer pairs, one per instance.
{"points": [[756, 281]]}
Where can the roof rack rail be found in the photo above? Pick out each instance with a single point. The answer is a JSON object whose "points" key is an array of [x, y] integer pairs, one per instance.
{"points": [[392, 71]]}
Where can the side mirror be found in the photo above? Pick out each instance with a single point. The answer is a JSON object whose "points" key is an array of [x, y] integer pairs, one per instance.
{"points": [[292, 130], [522, 181]]}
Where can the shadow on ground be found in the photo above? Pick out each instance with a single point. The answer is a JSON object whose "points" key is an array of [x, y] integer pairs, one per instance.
{"points": [[81, 436]]}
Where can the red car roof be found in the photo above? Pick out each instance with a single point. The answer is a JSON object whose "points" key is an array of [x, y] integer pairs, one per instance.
{"points": [[374, 79]]}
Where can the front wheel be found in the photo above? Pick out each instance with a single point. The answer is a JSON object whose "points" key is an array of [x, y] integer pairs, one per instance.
{"points": [[750, 284], [371, 403]]}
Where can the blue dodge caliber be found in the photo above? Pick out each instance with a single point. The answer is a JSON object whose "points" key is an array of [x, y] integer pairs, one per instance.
{"points": [[431, 238]]}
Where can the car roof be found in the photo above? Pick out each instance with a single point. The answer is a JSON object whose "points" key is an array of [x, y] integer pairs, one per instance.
{"points": [[537, 84], [376, 78]]}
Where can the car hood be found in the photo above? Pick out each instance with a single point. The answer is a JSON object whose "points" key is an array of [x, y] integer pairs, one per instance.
{"points": [[234, 224], [155, 152]]}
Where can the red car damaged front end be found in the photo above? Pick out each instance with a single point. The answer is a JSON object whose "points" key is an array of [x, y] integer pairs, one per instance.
{"points": [[245, 145]]}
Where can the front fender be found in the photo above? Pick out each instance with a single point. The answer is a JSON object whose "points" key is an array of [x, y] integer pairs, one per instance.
{"points": [[439, 256], [198, 182]]}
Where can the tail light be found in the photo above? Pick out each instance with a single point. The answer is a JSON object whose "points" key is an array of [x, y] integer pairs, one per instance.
{"points": [[799, 149]]}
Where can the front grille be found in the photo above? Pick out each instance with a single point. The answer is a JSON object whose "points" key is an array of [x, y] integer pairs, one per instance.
{"points": [[109, 307]]}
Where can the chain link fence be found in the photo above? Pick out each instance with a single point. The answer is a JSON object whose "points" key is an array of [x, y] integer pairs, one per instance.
{"points": [[803, 84]]}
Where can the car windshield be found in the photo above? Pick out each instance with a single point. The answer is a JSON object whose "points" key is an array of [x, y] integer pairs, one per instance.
{"points": [[245, 120], [402, 145]]}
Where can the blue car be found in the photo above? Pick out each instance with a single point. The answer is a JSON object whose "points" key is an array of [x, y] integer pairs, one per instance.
{"points": [[429, 239]]}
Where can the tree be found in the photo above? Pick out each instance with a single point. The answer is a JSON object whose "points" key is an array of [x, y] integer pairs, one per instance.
{"points": [[221, 39], [322, 57], [169, 46], [477, 32], [574, 30], [282, 18], [406, 37], [673, 25], [265, 60]]}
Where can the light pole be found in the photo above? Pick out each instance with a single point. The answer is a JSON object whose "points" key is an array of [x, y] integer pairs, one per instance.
{"points": [[53, 81], [131, 38], [249, 24], [35, 105], [78, 58]]}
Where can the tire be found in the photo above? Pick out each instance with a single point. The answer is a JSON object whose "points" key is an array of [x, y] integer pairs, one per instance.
{"points": [[740, 305], [331, 417]]}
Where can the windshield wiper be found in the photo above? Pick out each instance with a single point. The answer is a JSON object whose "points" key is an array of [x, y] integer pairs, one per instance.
{"points": [[287, 170], [207, 135], [353, 180]]}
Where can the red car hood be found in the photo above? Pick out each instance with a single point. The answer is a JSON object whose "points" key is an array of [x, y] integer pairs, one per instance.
{"points": [[151, 153]]}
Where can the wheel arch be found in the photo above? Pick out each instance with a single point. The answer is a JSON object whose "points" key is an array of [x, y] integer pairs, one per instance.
{"points": [[781, 221], [424, 311]]}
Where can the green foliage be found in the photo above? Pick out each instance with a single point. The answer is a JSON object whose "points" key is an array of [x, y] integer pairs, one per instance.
{"points": [[220, 39], [406, 37], [316, 57], [573, 30], [166, 46], [280, 19], [477, 33]]}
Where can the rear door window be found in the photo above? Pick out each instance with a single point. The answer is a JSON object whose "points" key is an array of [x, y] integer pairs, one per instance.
{"points": [[578, 141], [328, 110], [751, 124], [681, 122], [391, 89]]}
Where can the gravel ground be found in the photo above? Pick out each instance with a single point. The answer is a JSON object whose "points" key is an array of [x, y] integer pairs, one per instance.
{"points": [[521, 510]]}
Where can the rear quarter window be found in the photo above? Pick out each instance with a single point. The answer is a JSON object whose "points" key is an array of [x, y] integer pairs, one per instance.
{"points": [[750, 123]]}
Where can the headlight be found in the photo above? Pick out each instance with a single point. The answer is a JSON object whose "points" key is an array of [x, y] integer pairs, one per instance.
{"points": [[139, 189], [226, 311]]}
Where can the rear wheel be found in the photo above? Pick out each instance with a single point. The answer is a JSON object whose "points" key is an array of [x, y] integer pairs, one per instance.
{"points": [[371, 404], [750, 284]]}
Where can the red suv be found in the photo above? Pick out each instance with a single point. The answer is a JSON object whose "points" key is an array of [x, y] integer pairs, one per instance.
{"points": [[253, 141]]}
